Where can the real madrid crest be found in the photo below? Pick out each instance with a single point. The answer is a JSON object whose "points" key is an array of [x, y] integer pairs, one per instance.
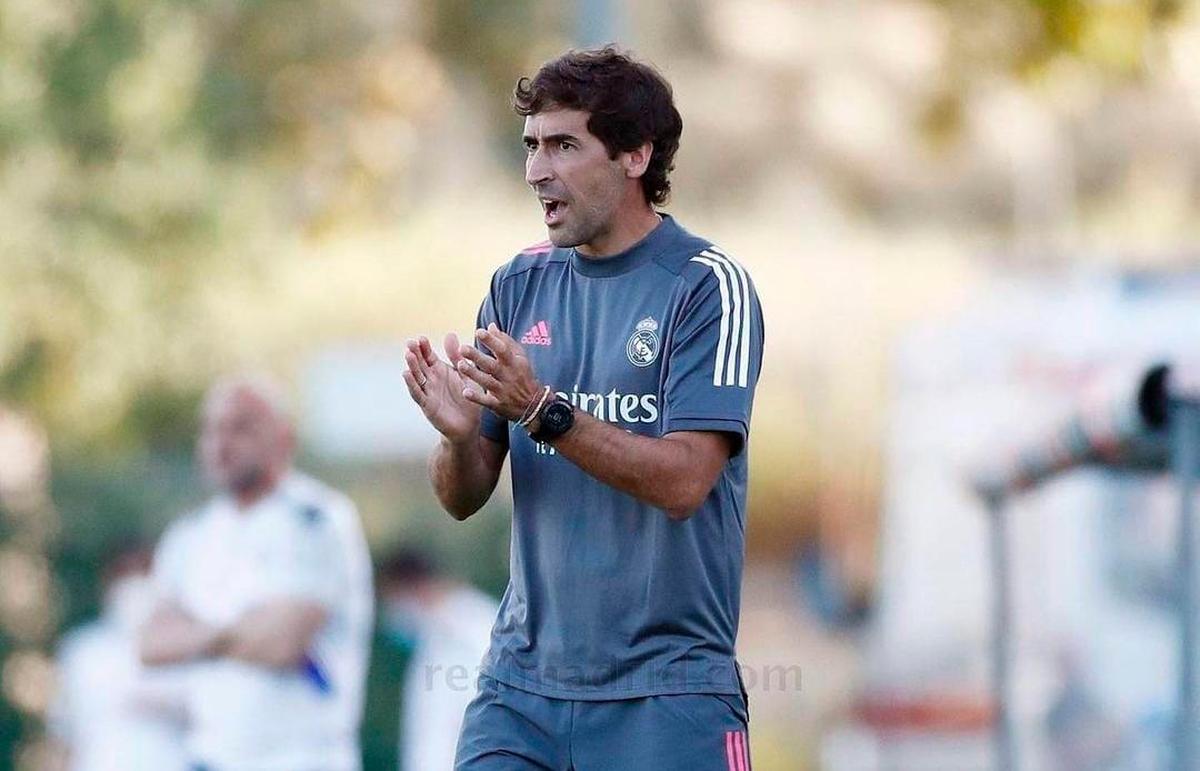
{"points": [[642, 348]]}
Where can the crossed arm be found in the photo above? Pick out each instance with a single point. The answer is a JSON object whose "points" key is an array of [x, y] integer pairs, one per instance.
{"points": [[674, 472], [276, 634]]}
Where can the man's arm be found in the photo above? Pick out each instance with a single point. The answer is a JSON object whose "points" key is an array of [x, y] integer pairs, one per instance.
{"points": [[464, 474], [465, 466], [277, 634], [172, 636], [675, 472]]}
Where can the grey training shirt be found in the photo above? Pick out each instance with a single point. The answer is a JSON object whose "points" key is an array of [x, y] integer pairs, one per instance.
{"points": [[608, 597]]}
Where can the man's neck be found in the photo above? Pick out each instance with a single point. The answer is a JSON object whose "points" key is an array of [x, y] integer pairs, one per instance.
{"points": [[627, 231], [248, 498]]}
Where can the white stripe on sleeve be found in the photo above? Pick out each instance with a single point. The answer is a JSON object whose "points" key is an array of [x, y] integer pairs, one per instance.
{"points": [[719, 365], [747, 332], [735, 333]]}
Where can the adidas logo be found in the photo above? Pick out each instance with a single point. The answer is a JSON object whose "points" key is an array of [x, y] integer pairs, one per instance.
{"points": [[538, 334]]}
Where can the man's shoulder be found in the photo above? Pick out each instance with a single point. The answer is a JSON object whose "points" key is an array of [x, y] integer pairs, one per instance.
{"points": [[316, 503], [700, 261], [302, 486], [534, 257], [688, 255]]}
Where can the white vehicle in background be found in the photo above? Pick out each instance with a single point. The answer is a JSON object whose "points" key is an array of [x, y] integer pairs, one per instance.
{"points": [[1094, 593]]}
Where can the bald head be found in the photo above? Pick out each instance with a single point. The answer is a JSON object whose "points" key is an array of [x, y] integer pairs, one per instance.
{"points": [[246, 439]]}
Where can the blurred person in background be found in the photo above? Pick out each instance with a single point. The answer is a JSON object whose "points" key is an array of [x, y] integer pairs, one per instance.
{"points": [[110, 713], [265, 592], [449, 623], [616, 366]]}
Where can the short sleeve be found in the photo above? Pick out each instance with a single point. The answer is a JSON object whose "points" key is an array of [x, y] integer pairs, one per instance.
{"points": [[492, 425], [715, 353], [312, 565], [170, 558]]}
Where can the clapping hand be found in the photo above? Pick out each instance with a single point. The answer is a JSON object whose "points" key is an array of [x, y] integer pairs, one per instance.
{"points": [[438, 389], [504, 381]]}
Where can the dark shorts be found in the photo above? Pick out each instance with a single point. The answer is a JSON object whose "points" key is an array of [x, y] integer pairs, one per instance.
{"points": [[507, 729]]}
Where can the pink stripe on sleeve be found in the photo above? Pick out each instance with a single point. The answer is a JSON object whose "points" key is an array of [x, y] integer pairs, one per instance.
{"points": [[740, 743]]}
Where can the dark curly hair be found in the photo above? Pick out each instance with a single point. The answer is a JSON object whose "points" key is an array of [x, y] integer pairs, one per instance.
{"points": [[629, 104]]}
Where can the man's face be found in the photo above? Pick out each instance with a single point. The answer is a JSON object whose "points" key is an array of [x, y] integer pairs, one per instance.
{"points": [[242, 441], [580, 187]]}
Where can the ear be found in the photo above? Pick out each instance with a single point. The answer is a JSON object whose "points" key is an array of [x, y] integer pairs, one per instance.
{"points": [[637, 161]]}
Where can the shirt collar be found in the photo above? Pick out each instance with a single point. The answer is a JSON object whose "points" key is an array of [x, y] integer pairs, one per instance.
{"points": [[634, 256]]}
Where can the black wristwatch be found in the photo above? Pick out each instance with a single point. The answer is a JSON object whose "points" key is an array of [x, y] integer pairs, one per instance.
{"points": [[554, 419]]}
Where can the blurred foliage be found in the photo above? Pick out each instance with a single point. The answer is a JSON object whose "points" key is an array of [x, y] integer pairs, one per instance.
{"points": [[1026, 35], [382, 729], [151, 151], [491, 40], [107, 504], [1112, 35], [144, 145]]}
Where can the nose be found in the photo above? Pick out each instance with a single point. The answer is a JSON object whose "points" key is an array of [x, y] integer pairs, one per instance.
{"points": [[537, 169]]}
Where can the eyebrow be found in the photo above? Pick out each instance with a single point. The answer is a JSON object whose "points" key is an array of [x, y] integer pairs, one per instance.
{"points": [[550, 138]]}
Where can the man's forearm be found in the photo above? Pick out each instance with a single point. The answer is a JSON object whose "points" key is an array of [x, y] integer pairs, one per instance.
{"points": [[674, 473], [463, 475], [173, 637], [275, 635]]}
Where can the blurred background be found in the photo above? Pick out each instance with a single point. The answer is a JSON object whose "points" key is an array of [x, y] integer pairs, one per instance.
{"points": [[956, 213]]}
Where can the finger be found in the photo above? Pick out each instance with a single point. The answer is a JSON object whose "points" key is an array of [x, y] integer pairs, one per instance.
{"points": [[509, 341], [491, 337], [506, 341], [416, 365], [427, 352], [473, 394], [469, 370], [452, 348], [414, 390], [479, 359], [414, 345], [410, 357]]}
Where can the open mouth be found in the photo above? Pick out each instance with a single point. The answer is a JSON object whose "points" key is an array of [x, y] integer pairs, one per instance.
{"points": [[554, 210]]}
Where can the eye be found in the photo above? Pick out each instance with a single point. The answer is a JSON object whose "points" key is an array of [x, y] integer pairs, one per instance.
{"points": [[566, 145], [530, 146]]}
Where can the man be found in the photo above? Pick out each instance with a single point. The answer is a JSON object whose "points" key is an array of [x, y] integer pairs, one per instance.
{"points": [[266, 593], [450, 623], [110, 713], [625, 412]]}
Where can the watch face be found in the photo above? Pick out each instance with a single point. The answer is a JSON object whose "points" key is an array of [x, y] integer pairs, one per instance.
{"points": [[554, 420], [557, 418]]}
